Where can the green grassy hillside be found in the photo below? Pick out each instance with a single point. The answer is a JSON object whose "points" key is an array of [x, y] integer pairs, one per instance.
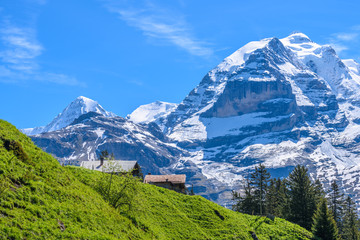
{"points": [[39, 199]]}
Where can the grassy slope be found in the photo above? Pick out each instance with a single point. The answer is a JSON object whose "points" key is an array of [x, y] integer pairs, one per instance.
{"points": [[38, 196], [170, 215]]}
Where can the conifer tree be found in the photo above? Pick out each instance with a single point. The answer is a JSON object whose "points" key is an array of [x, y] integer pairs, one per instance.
{"points": [[350, 221], [319, 191], [324, 226], [259, 181], [237, 198], [192, 190], [285, 198], [244, 204], [336, 204], [248, 205], [104, 155], [276, 198], [271, 198], [302, 202]]}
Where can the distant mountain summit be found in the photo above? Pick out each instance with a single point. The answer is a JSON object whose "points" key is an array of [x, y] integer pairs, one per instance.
{"points": [[75, 109]]}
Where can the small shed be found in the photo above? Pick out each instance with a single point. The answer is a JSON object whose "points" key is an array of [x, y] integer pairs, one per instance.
{"points": [[173, 182], [115, 166]]}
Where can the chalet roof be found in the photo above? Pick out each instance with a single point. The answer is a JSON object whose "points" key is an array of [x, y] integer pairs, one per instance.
{"points": [[109, 166], [180, 178]]}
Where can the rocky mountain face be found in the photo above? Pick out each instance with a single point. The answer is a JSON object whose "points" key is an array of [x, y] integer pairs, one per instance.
{"points": [[280, 102]]}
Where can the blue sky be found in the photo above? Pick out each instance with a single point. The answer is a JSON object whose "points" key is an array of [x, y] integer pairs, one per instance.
{"points": [[124, 53]]}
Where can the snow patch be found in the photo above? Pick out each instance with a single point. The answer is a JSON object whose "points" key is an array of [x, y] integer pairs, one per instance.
{"points": [[151, 112]]}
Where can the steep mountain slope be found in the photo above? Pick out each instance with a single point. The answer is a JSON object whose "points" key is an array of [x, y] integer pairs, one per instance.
{"points": [[42, 200], [75, 109]]}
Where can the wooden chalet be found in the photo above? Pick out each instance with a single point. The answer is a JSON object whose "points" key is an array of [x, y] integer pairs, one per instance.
{"points": [[172, 182]]}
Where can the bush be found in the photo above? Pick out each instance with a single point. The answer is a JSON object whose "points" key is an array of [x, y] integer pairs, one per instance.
{"points": [[17, 149]]}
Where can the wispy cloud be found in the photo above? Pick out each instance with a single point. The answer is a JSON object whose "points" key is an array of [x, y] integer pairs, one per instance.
{"points": [[162, 24], [338, 47], [41, 2], [346, 36], [18, 57], [8, 75], [136, 82], [20, 48], [344, 41], [59, 79]]}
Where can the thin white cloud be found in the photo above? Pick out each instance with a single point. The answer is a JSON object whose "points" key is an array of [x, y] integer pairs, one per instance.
{"points": [[346, 36], [12, 76], [20, 47], [41, 2], [338, 47], [59, 79], [18, 58], [344, 41], [136, 82], [162, 25], [355, 28]]}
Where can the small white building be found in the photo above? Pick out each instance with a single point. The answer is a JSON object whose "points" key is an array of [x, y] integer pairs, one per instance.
{"points": [[115, 166]]}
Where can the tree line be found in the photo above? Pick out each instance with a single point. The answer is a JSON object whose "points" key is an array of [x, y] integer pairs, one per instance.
{"points": [[329, 215]]}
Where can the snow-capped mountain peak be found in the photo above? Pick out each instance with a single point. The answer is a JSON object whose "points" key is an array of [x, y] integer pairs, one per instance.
{"points": [[340, 75], [151, 112], [302, 46], [75, 109], [84, 105], [240, 56], [89, 104], [298, 38]]}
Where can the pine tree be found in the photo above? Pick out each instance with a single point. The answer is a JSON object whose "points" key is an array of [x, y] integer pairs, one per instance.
{"points": [[350, 221], [259, 182], [104, 155], [324, 226], [319, 191], [285, 198], [276, 198], [335, 204], [271, 198], [192, 190], [238, 200], [302, 202], [244, 204]]}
